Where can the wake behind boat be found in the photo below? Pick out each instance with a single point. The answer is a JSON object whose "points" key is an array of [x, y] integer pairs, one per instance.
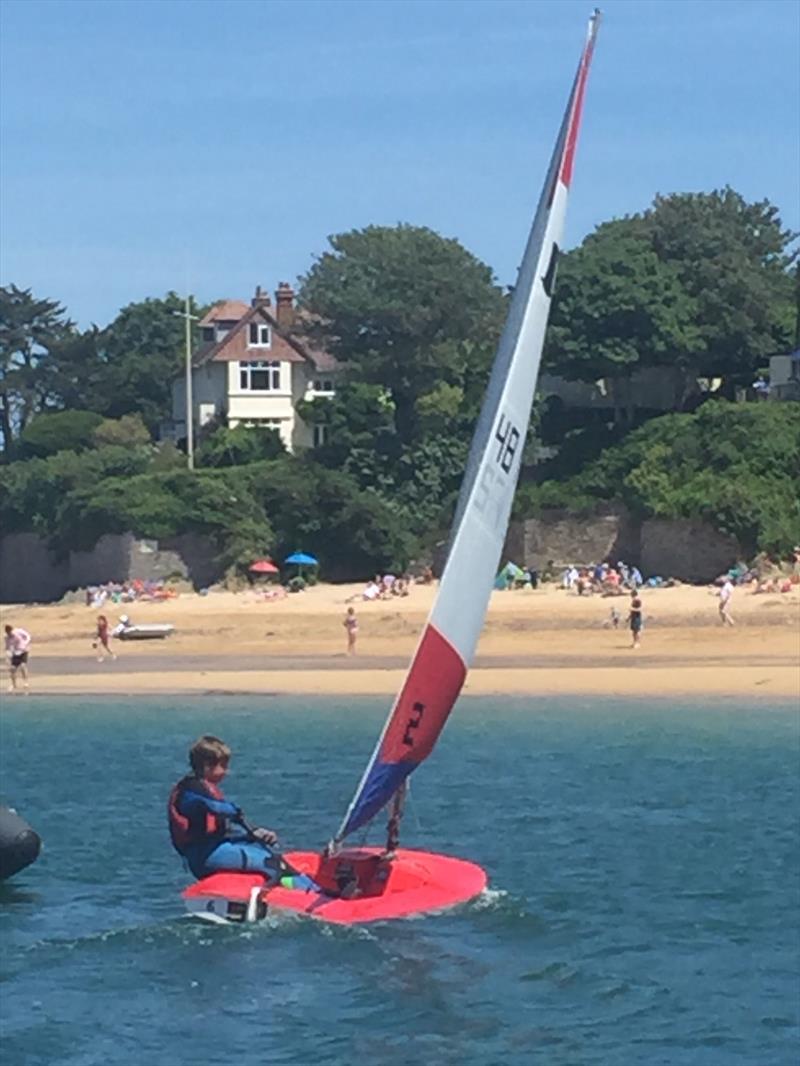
{"points": [[371, 884]]}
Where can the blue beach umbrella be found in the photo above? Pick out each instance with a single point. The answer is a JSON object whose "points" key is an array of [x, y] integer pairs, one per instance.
{"points": [[301, 559]]}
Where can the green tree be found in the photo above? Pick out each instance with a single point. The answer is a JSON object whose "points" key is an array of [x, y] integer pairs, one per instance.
{"points": [[129, 431], [145, 350], [618, 308], [29, 327], [733, 259], [699, 283], [239, 446], [361, 437], [60, 431], [352, 532], [33, 493], [405, 309], [76, 374]]}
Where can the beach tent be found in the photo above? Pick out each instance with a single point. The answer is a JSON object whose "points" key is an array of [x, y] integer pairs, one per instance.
{"points": [[510, 570]]}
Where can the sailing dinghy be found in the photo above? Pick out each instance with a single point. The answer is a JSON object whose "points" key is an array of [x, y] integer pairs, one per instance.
{"points": [[366, 884]]}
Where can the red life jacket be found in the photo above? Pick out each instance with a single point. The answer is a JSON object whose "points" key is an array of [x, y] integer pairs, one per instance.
{"points": [[184, 832]]}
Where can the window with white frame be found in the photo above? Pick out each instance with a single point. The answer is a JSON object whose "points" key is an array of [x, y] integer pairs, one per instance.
{"points": [[259, 376], [320, 435], [260, 335], [323, 385]]}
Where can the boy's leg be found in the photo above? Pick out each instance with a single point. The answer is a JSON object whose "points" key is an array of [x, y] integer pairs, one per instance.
{"points": [[243, 857], [250, 857]]}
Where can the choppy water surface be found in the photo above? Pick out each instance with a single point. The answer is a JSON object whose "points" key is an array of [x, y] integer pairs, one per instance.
{"points": [[643, 903]]}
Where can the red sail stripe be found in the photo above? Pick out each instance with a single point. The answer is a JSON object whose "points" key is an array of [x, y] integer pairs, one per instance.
{"points": [[427, 697], [575, 117]]}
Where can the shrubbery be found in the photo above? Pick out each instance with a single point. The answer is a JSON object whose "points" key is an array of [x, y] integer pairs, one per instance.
{"points": [[735, 465]]}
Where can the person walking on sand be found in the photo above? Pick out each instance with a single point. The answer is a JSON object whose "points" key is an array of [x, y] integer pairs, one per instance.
{"points": [[18, 642], [635, 620], [100, 643], [350, 623], [725, 597]]}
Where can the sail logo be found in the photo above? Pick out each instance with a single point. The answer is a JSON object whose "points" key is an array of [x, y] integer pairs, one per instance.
{"points": [[417, 709]]}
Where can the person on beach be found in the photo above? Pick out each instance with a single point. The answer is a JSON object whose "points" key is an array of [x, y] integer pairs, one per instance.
{"points": [[18, 642], [350, 623], [100, 643], [635, 620], [725, 597], [199, 817]]}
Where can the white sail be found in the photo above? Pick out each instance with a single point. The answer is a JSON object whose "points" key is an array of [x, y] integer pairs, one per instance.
{"points": [[448, 641]]}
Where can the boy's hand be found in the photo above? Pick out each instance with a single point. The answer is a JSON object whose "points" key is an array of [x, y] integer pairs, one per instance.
{"points": [[266, 836]]}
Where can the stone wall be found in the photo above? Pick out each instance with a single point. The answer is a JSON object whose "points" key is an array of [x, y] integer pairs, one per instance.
{"points": [[31, 573], [689, 551], [562, 538]]}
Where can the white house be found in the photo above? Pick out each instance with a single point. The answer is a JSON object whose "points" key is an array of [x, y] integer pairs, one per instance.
{"points": [[252, 367]]}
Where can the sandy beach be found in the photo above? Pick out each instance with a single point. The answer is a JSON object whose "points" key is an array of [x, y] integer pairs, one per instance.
{"points": [[534, 642]]}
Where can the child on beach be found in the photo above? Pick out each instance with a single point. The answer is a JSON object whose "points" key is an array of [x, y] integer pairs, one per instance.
{"points": [[100, 643], [198, 815], [635, 620], [350, 623]]}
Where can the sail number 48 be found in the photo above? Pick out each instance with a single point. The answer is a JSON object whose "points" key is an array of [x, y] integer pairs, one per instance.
{"points": [[491, 495], [508, 436]]}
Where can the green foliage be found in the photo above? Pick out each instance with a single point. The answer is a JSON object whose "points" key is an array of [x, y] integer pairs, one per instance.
{"points": [[239, 446], [33, 493], [733, 260], [699, 283], [618, 307], [145, 349], [352, 532], [406, 310], [737, 466], [61, 431], [214, 503], [128, 431], [29, 327]]}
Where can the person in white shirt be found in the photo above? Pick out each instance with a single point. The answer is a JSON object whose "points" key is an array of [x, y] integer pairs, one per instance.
{"points": [[18, 642], [725, 596]]}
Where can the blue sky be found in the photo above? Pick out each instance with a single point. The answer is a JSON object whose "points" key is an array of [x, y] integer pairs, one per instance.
{"points": [[214, 145]]}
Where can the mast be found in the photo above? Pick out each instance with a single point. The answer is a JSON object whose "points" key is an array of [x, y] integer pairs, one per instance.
{"points": [[447, 645]]}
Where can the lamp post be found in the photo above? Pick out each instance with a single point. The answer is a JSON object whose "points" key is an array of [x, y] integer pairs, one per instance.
{"points": [[188, 317]]}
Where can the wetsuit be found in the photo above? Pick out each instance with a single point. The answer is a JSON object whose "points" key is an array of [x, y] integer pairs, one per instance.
{"points": [[198, 818]]}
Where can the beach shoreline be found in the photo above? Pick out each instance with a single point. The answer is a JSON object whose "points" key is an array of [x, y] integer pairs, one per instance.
{"points": [[543, 642]]}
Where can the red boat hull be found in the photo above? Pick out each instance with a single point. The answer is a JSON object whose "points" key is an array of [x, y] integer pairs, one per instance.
{"points": [[377, 888]]}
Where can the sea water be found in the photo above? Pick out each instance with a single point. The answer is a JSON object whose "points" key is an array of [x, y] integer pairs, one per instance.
{"points": [[642, 909]]}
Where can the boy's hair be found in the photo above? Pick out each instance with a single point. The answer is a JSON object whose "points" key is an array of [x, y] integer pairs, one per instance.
{"points": [[207, 751]]}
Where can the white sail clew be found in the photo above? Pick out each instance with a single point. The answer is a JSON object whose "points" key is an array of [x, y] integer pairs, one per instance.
{"points": [[448, 641]]}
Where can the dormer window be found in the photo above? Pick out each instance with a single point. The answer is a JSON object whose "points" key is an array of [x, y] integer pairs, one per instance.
{"points": [[208, 334], [260, 335]]}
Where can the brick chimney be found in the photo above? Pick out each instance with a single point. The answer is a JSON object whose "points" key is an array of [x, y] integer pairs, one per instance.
{"points": [[284, 305], [261, 298]]}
